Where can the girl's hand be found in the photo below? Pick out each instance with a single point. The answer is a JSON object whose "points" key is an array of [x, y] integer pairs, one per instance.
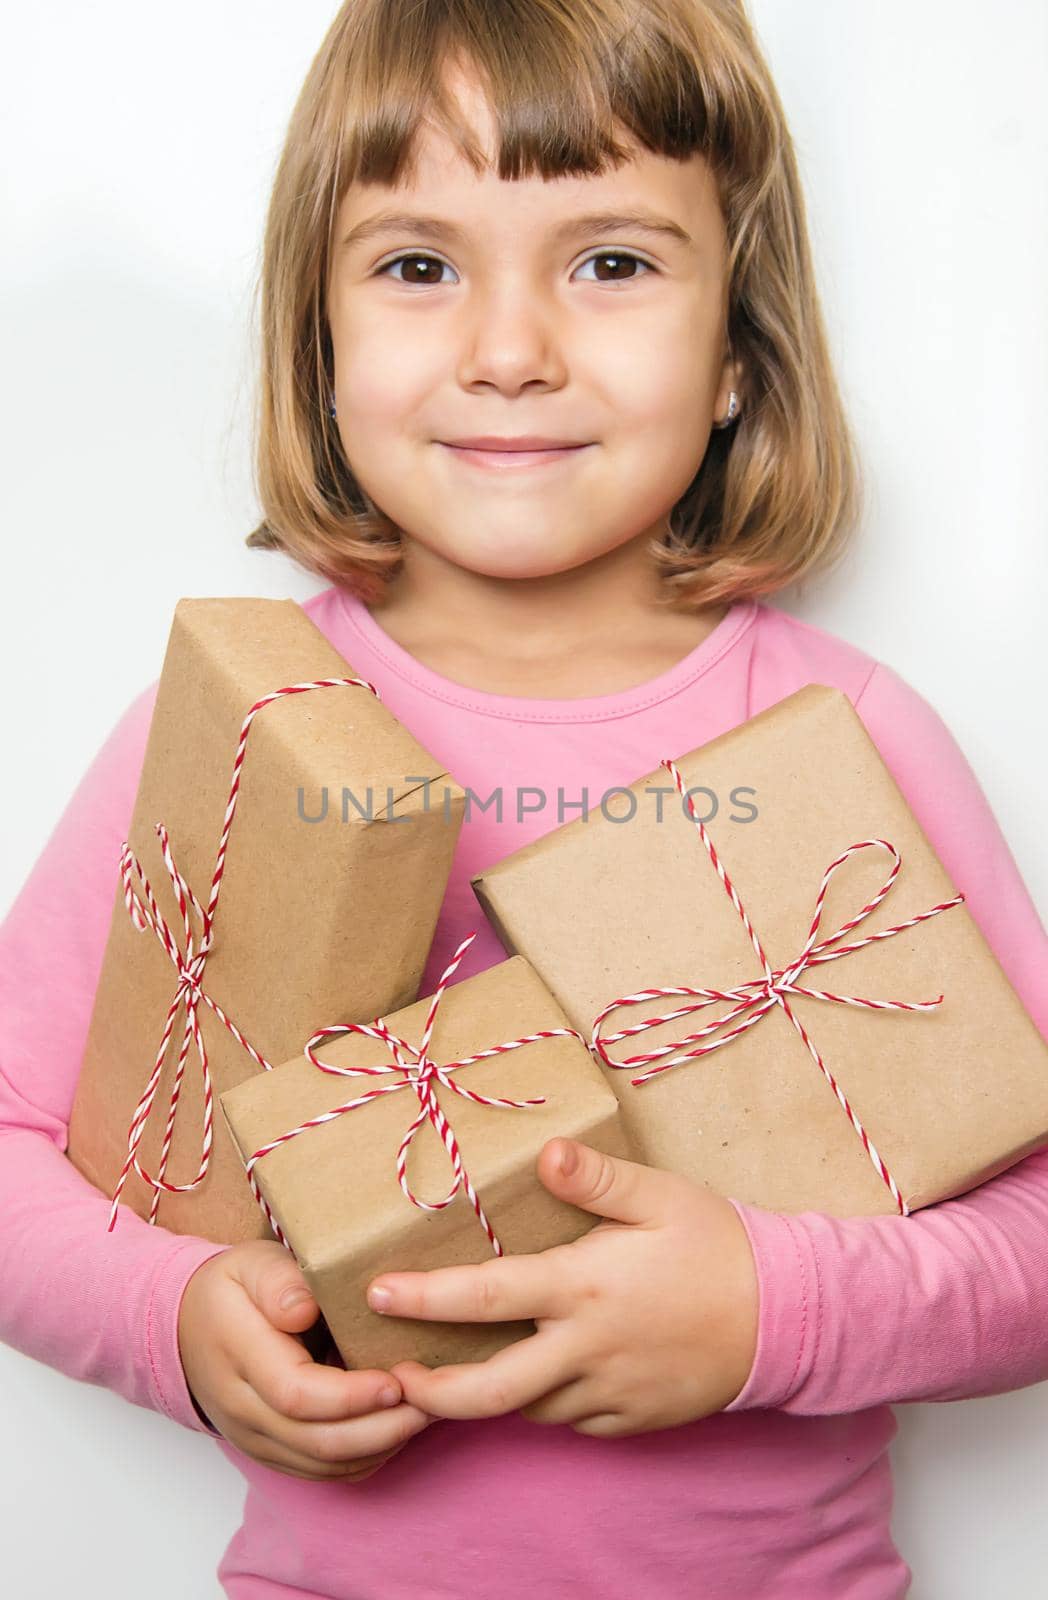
{"points": [[647, 1321], [249, 1371]]}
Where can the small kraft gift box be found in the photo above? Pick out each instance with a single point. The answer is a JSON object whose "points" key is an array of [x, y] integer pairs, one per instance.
{"points": [[705, 958], [346, 1144], [283, 861]]}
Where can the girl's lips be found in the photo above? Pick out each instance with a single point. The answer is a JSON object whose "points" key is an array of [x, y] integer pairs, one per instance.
{"points": [[510, 460]]}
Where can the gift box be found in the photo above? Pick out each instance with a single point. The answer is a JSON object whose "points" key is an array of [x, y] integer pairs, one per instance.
{"points": [[284, 860], [417, 1148], [841, 1037]]}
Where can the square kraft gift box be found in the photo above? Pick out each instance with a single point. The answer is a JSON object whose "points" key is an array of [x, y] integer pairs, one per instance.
{"points": [[373, 1187], [283, 805], [926, 1078]]}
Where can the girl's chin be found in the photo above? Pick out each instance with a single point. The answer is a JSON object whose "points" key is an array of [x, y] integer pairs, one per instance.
{"points": [[494, 552], [516, 565]]}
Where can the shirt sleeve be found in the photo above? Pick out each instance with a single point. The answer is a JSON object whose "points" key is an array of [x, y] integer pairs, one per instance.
{"points": [[950, 1302], [98, 1306]]}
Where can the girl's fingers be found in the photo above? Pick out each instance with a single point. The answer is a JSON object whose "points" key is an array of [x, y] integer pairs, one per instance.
{"points": [[513, 1377], [504, 1289], [287, 1379], [276, 1453], [572, 1402], [329, 1449]]}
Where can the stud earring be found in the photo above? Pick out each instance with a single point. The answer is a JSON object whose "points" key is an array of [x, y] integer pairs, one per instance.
{"points": [[331, 405], [733, 408]]}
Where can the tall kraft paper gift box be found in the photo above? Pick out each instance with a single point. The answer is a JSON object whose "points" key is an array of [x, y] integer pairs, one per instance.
{"points": [[928, 1103], [326, 904]]}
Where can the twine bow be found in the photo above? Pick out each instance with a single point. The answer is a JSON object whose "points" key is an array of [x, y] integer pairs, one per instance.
{"points": [[420, 1074], [189, 964], [756, 998]]}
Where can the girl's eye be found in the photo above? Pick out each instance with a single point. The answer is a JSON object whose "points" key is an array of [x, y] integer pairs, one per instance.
{"points": [[619, 258], [431, 261]]}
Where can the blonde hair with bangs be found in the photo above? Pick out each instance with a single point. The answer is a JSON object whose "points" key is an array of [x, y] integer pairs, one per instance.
{"points": [[778, 493]]}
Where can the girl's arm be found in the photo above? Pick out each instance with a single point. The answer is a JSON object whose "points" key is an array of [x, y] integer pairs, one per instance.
{"points": [[99, 1306], [952, 1301]]}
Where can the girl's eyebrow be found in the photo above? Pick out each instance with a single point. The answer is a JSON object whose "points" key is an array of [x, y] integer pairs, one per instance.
{"points": [[437, 228]]}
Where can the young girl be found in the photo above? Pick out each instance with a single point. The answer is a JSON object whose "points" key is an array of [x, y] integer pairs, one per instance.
{"points": [[546, 400]]}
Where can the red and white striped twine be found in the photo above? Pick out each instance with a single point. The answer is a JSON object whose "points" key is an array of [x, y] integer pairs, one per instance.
{"points": [[762, 994], [190, 969], [420, 1074]]}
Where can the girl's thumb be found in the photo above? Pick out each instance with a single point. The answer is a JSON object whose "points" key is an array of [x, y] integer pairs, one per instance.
{"points": [[276, 1285], [607, 1186], [291, 1303]]}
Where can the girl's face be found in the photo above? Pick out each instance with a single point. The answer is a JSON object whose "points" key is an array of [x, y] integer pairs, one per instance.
{"points": [[589, 311]]}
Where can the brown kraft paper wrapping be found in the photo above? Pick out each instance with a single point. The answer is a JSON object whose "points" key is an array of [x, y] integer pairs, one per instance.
{"points": [[314, 918], [949, 1097], [334, 1189]]}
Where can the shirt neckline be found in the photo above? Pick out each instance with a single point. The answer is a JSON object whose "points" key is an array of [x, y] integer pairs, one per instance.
{"points": [[591, 708]]}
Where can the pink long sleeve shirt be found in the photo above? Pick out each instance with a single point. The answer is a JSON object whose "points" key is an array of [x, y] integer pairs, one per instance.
{"points": [[787, 1493]]}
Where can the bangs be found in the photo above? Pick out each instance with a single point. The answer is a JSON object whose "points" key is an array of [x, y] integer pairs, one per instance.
{"points": [[563, 80]]}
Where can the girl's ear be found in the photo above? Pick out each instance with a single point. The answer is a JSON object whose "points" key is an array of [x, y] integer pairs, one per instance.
{"points": [[734, 375]]}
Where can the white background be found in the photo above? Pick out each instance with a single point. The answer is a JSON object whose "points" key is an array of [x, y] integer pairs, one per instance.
{"points": [[138, 145]]}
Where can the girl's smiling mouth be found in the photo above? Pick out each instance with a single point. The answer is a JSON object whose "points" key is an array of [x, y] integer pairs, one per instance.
{"points": [[509, 455]]}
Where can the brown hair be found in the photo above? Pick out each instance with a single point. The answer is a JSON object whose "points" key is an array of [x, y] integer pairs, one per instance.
{"points": [[778, 493]]}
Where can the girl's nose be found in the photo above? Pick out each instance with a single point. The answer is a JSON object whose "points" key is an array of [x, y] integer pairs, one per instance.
{"points": [[511, 338]]}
